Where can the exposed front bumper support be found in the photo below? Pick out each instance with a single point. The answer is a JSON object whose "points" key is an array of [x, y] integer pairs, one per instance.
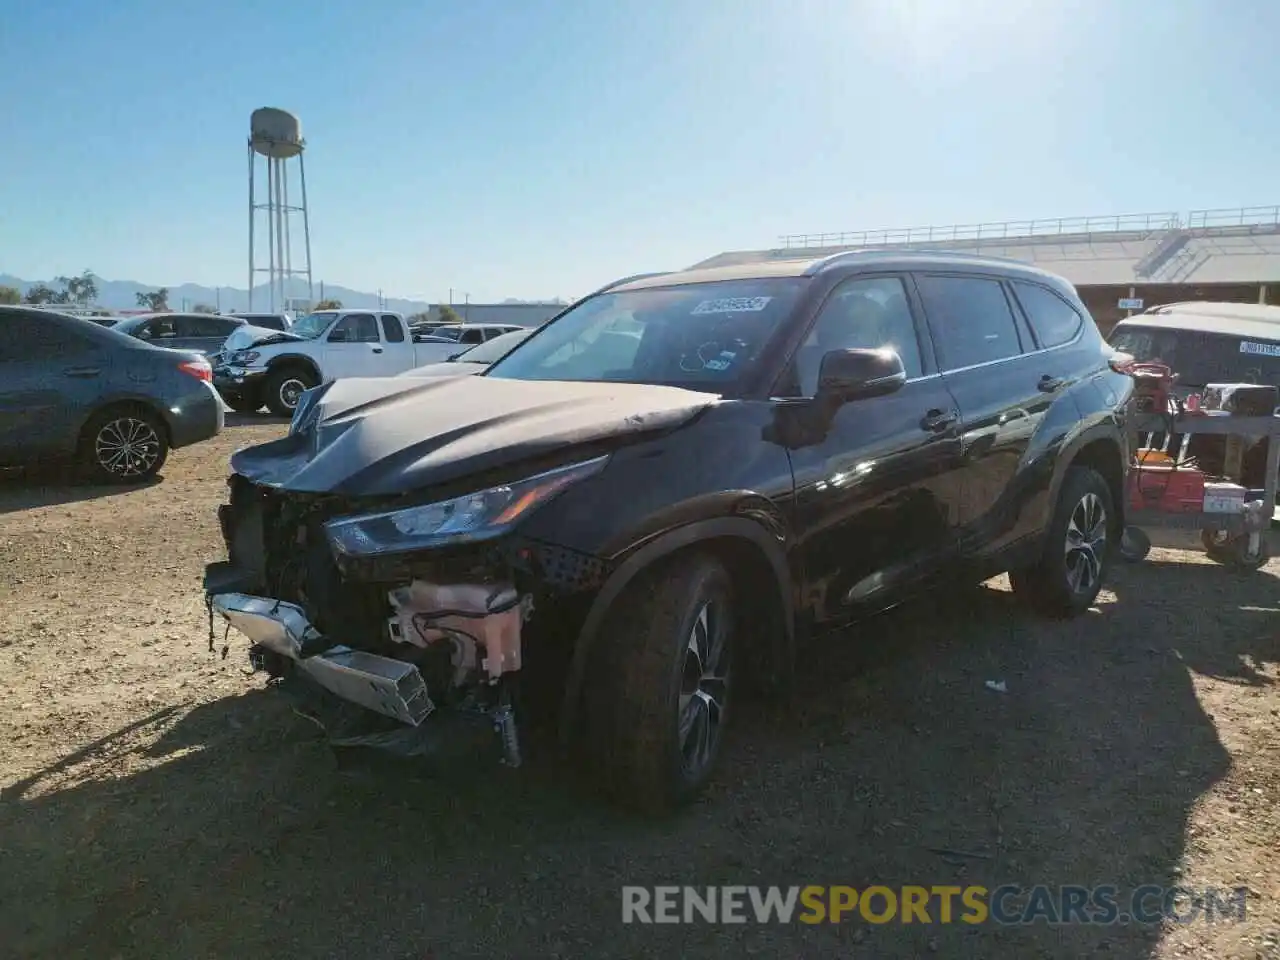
{"points": [[393, 688]]}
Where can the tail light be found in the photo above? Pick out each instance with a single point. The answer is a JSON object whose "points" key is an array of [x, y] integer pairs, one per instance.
{"points": [[199, 369]]}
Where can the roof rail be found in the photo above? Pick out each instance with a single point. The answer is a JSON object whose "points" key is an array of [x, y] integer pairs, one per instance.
{"points": [[635, 276], [834, 258]]}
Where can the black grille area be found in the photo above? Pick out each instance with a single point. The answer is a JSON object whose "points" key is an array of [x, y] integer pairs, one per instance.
{"points": [[566, 570]]}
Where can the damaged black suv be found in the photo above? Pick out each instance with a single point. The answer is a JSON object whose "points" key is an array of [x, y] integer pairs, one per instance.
{"points": [[662, 494]]}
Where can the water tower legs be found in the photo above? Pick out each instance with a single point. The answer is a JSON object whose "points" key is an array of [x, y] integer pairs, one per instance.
{"points": [[278, 210]]}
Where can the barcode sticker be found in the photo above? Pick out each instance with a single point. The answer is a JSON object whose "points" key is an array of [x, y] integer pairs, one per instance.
{"points": [[1260, 349], [733, 305]]}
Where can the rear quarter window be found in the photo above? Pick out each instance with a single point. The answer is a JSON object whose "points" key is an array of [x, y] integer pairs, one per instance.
{"points": [[1053, 320]]}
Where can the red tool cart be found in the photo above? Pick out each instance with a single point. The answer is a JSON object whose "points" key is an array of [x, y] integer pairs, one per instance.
{"points": [[1211, 494]]}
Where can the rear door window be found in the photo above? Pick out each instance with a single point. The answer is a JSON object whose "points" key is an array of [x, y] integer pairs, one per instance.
{"points": [[38, 340], [161, 328], [205, 326], [1053, 320], [392, 329], [971, 320], [356, 328]]}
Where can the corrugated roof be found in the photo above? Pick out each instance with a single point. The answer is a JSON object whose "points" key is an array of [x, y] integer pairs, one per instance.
{"points": [[1242, 254]]}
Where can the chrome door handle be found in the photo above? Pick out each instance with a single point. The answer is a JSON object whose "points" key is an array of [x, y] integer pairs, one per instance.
{"points": [[935, 421]]}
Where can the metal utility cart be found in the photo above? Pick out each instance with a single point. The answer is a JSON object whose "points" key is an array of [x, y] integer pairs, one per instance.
{"points": [[1237, 539]]}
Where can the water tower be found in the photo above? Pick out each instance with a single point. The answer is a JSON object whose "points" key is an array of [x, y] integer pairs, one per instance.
{"points": [[277, 136]]}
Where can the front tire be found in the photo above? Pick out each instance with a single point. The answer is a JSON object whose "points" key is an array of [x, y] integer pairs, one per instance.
{"points": [[659, 693], [284, 388], [123, 446], [1078, 548]]}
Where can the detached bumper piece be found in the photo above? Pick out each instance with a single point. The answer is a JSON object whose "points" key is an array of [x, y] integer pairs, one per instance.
{"points": [[390, 687]]}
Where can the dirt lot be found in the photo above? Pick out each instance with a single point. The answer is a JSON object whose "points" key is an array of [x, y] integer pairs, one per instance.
{"points": [[158, 803]]}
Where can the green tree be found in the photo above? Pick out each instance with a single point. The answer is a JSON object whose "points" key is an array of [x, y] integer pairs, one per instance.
{"points": [[42, 293], [329, 304], [81, 290], [448, 314], [156, 301], [10, 295], [203, 308]]}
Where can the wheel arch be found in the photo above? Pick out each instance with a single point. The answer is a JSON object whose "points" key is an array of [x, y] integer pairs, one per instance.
{"points": [[124, 404], [752, 557], [1102, 448], [298, 361]]}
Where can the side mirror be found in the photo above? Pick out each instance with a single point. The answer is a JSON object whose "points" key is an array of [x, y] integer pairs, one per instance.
{"points": [[340, 336], [846, 375]]}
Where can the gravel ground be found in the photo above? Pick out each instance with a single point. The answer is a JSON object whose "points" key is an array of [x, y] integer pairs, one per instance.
{"points": [[157, 802]]}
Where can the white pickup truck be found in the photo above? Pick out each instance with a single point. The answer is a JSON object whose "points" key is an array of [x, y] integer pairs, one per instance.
{"points": [[257, 366]]}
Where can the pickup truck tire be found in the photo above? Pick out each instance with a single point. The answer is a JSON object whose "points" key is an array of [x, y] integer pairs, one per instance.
{"points": [[657, 702], [124, 444], [1078, 548], [283, 386]]}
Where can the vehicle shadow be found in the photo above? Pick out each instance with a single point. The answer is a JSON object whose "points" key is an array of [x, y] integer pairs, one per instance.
{"points": [[238, 835], [51, 486]]}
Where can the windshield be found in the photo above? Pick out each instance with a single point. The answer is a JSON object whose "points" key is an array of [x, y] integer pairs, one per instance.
{"points": [[703, 336], [1201, 358], [313, 324], [494, 349]]}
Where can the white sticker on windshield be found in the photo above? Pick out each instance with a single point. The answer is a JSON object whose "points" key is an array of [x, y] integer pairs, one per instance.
{"points": [[722, 362], [733, 305], [1260, 349]]}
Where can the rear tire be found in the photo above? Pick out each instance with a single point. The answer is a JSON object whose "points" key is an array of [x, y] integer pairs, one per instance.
{"points": [[283, 388], [1078, 548], [659, 691], [124, 445]]}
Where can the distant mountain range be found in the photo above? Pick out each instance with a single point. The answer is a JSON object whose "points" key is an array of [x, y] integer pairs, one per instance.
{"points": [[122, 295]]}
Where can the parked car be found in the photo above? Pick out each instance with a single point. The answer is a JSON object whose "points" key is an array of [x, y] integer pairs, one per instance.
{"points": [[265, 321], [473, 359], [1206, 342], [73, 388], [205, 332], [442, 342], [274, 367], [637, 534]]}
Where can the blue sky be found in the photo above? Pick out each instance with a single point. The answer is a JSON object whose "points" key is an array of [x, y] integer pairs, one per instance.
{"points": [[531, 148]]}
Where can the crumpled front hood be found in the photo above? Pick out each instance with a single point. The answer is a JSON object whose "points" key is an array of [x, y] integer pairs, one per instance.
{"points": [[249, 336], [375, 437]]}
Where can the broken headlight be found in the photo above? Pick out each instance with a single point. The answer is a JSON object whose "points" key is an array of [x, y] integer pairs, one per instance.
{"points": [[475, 516]]}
